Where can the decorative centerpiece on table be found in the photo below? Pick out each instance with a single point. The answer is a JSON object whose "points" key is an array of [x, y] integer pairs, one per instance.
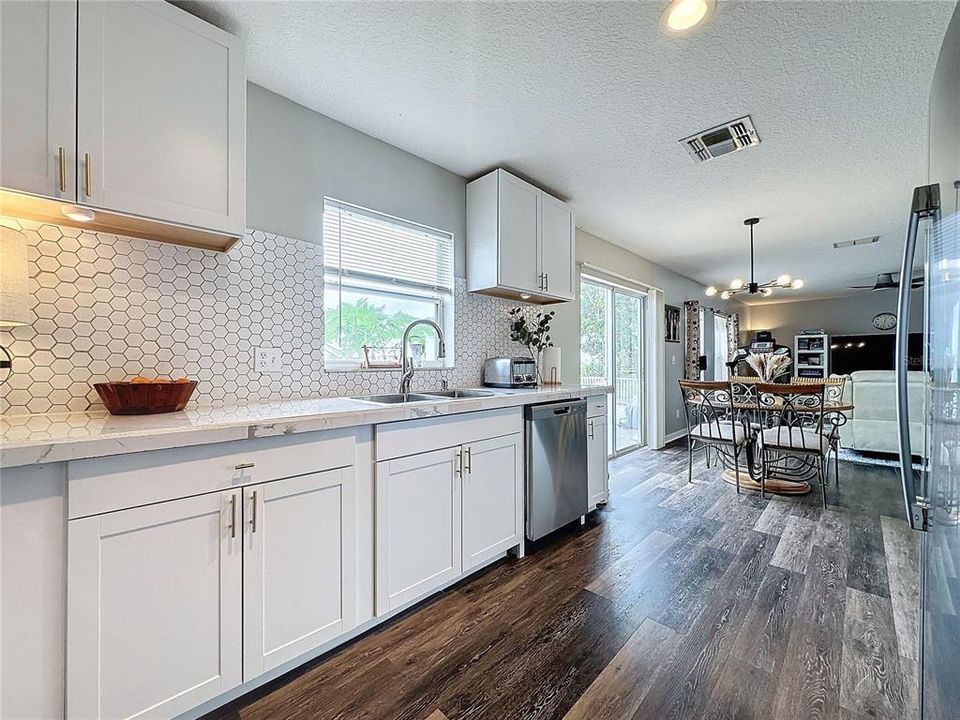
{"points": [[768, 366], [532, 333]]}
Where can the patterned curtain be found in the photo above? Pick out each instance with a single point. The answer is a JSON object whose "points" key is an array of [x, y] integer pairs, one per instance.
{"points": [[691, 342], [733, 333]]}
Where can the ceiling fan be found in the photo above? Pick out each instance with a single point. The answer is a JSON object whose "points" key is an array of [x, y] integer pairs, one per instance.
{"points": [[887, 281]]}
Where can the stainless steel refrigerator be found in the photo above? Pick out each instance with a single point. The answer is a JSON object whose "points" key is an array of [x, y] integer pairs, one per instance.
{"points": [[932, 494]]}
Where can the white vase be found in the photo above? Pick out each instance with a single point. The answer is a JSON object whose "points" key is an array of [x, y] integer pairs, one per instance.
{"points": [[550, 366]]}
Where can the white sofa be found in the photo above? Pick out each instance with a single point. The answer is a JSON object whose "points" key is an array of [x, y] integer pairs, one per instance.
{"points": [[872, 425]]}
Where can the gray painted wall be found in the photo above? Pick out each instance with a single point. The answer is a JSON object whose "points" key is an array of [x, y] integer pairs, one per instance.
{"points": [[676, 288], [296, 156], [851, 315]]}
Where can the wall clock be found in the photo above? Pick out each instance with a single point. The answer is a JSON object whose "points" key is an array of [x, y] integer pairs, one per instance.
{"points": [[885, 321]]}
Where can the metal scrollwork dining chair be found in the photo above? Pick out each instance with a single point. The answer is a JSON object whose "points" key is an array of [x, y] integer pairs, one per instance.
{"points": [[795, 444], [713, 424]]}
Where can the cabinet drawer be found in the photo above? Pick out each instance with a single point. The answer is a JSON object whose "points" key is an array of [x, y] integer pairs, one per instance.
{"points": [[596, 405], [106, 484], [410, 437]]}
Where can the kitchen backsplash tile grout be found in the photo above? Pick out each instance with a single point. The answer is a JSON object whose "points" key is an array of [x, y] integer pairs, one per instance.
{"points": [[109, 307]]}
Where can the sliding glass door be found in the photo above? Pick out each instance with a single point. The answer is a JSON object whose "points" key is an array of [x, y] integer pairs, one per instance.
{"points": [[611, 353]]}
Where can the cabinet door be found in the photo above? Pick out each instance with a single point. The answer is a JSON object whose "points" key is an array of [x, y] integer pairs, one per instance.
{"points": [[160, 112], [154, 608], [299, 566], [492, 498], [557, 247], [38, 42], [597, 474], [418, 526], [519, 204]]}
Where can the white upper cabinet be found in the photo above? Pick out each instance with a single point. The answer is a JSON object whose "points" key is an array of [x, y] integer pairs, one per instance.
{"points": [[38, 44], [557, 254], [161, 102], [520, 241], [518, 221], [133, 107]]}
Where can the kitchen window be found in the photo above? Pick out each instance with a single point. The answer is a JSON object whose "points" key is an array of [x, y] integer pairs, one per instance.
{"points": [[380, 274]]}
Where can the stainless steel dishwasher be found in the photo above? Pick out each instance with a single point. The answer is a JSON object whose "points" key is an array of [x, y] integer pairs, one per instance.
{"points": [[556, 450]]}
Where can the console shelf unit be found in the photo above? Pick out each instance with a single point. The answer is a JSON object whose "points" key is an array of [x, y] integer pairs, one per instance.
{"points": [[811, 356]]}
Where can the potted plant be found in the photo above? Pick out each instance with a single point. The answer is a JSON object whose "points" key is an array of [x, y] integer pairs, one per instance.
{"points": [[533, 333]]}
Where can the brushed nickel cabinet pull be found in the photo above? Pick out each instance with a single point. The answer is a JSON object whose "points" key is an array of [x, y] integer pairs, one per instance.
{"points": [[590, 424], [63, 169], [243, 466], [253, 511], [546, 281], [458, 464], [233, 516], [469, 462], [88, 174]]}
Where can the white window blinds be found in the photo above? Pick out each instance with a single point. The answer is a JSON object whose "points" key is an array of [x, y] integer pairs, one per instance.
{"points": [[364, 245]]}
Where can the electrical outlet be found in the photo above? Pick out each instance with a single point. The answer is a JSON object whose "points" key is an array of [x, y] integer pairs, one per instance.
{"points": [[678, 413], [268, 360]]}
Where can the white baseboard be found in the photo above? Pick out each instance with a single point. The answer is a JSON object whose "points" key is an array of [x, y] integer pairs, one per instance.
{"points": [[674, 436]]}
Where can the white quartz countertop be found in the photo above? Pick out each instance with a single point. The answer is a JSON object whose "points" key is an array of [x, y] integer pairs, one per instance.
{"points": [[33, 439]]}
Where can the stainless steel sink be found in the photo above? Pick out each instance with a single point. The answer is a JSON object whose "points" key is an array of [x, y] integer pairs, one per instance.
{"points": [[460, 393], [396, 398]]}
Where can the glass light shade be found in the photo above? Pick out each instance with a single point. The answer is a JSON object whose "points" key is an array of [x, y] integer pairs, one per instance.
{"points": [[784, 280], [15, 300], [681, 15], [725, 295], [711, 291], [765, 291], [736, 284], [797, 284]]}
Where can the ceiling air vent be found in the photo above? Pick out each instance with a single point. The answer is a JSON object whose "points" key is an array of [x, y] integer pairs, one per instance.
{"points": [[722, 140], [859, 241]]}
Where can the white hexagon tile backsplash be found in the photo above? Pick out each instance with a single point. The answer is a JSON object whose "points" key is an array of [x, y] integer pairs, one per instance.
{"points": [[110, 307]]}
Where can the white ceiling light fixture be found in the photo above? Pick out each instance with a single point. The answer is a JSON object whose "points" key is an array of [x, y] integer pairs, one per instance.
{"points": [[681, 16], [753, 287]]}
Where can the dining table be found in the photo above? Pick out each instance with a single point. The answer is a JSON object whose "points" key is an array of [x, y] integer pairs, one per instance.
{"points": [[782, 481]]}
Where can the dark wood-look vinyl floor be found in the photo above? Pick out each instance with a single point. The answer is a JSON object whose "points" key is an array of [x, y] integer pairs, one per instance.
{"points": [[676, 601]]}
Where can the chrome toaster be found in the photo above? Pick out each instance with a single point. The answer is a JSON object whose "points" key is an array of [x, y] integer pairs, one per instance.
{"points": [[504, 372]]}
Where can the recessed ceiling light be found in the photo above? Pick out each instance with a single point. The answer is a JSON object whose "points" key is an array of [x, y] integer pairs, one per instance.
{"points": [[683, 15], [78, 214]]}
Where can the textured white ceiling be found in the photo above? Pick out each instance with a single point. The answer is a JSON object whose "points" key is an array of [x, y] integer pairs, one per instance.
{"points": [[589, 100]]}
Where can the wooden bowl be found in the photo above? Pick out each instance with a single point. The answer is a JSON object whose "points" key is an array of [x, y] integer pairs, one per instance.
{"points": [[145, 398]]}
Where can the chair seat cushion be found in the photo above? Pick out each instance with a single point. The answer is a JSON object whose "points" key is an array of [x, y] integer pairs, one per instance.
{"points": [[725, 430], [795, 438]]}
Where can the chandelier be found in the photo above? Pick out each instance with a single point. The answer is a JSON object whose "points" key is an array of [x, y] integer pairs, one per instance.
{"points": [[738, 286]]}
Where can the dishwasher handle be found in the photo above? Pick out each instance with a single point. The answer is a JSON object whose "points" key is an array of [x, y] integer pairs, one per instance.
{"points": [[553, 410]]}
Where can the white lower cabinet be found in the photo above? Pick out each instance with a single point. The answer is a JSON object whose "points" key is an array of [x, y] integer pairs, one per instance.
{"points": [[449, 499], [418, 525], [492, 498], [174, 603], [598, 484], [154, 608], [299, 566]]}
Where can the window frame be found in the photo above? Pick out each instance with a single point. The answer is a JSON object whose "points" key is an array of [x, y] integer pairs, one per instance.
{"points": [[372, 285]]}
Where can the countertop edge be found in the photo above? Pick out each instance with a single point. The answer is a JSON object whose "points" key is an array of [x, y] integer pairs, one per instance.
{"points": [[24, 452]]}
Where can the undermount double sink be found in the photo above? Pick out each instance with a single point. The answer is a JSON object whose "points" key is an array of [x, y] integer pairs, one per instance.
{"points": [[396, 398]]}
